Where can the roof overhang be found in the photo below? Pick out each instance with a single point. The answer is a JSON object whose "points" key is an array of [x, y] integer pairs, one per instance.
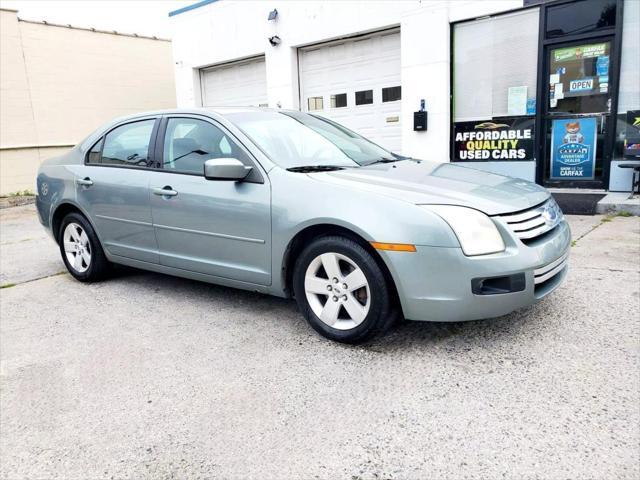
{"points": [[202, 3]]}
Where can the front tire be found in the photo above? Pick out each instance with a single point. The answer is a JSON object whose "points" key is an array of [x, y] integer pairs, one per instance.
{"points": [[342, 291], [81, 250]]}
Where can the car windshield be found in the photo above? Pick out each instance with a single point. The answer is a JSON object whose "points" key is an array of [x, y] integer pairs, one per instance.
{"points": [[295, 139]]}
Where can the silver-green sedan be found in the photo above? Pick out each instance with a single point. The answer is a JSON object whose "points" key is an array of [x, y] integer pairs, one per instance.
{"points": [[292, 204]]}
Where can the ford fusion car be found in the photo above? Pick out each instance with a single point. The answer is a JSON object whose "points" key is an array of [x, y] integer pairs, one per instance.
{"points": [[295, 205]]}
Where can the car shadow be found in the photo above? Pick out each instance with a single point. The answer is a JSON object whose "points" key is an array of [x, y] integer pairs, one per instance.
{"points": [[464, 335], [406, 333]]}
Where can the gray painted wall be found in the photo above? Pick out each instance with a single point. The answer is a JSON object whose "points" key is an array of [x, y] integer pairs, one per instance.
{"points": [[620, 178]]}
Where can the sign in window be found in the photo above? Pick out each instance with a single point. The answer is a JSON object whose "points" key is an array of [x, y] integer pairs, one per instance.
{"points": [[579, 78]]}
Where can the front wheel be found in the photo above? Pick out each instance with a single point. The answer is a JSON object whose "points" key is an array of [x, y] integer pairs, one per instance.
{"points": [[342, 291]]}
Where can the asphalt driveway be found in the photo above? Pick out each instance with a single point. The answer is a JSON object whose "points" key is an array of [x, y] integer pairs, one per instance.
{"points": [[149, 376]]}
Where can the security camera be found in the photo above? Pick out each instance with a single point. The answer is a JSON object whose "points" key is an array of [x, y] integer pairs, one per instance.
{"points": [[274, 41]]}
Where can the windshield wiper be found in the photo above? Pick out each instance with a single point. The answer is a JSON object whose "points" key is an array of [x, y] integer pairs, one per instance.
{"points": [[383, 160], [315, 168]]}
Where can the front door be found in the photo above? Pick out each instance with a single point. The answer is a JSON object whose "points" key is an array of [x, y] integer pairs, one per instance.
{"points": [[216, 227], [578, 123]]}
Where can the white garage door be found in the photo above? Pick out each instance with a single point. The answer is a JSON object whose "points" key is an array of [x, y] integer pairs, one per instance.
{"points": [[356, 83], [235, 84]]}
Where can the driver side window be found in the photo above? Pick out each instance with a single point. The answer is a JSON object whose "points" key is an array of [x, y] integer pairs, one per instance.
{"points": [[190, 142], [128, 145]]}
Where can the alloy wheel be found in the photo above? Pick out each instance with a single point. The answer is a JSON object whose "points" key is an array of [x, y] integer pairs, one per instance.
{"points": [[77, 247], [337, 291]]}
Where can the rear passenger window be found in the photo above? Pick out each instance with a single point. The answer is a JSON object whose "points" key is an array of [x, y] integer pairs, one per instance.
{"points": [[190, 142], [128, 145]]}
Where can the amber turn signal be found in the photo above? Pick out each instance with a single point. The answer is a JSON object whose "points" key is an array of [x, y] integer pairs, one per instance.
{"points": [[394, 247]]}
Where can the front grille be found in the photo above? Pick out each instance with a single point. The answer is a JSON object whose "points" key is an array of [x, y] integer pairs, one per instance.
{"points": [[550, 270], [535, 222]]}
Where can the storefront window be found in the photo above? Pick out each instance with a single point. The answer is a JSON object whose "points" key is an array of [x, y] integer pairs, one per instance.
{"points": [[583, 16], [491, 56], [494, 87], [579, 78], [627, 145]]}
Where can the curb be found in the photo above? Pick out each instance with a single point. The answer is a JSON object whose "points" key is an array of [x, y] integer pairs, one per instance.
{"points": [[619, 202], [9, 202]]}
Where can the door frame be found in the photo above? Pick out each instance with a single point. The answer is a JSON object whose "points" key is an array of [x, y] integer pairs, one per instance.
{"points": [[544, 45], [544, 163]]}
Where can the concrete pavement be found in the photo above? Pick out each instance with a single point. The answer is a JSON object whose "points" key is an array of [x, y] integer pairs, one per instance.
{"points": [[149, 376]]}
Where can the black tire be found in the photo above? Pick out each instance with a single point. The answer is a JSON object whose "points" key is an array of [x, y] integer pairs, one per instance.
{"points": [[99, 267], [382, 312]]}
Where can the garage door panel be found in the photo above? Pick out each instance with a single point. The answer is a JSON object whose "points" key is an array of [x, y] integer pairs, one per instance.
{"points": [[238, 84], [369, 63], [337, 52]]}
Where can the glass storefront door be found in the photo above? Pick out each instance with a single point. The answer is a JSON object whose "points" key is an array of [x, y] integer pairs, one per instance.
{"points": [[577, 113]]}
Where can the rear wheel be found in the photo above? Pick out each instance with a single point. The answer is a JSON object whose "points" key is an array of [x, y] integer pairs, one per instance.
{"points": [[341, 290], [80, 249]]}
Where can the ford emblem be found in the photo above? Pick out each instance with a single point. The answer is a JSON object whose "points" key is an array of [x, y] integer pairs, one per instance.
{"points": [[550, 214]]}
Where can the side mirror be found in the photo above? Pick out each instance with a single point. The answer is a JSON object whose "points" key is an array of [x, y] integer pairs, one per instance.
{"points": [[225, 169]]}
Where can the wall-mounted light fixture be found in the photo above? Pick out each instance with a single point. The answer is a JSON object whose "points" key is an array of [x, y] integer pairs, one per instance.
{"points": [[275, 41], [273, 15]]}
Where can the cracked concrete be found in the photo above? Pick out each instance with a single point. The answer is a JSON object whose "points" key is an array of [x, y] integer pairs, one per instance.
{"points": [[26, 250], [149, 376]]}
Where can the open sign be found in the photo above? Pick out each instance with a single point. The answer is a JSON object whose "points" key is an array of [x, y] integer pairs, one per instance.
{"points": [[581, 85]]}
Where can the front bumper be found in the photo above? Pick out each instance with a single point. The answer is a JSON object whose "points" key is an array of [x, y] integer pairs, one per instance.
{"points": [[435, 283]]}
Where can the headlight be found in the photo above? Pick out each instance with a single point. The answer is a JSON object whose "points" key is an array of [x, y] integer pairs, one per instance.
{"points": [[476, 232]]}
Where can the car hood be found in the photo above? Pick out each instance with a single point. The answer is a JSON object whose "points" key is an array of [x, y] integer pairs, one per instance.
{"points": [[421, 182]]}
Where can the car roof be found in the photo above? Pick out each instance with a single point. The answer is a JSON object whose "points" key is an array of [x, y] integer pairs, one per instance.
{"points": [[209, 111], [222, 111]]}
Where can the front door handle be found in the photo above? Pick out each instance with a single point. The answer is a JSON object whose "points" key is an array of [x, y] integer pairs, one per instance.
{"points": [[85, 182], [165, 191]]}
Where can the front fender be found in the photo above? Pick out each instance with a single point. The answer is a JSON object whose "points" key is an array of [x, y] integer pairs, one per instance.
{"points": [[299, 201]]}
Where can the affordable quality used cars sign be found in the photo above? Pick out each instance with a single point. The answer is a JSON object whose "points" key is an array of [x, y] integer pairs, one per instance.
{"points": [[500, 139], [573, 148]]}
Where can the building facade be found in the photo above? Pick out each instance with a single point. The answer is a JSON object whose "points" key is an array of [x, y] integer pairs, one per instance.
{"points": [[58, 83], [542, 90]]}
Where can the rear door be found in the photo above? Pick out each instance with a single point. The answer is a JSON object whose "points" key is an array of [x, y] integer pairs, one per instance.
{"points": [[216, 227], [113, 188]]}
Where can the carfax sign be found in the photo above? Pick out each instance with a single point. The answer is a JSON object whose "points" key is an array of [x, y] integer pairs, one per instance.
{"points": [[573, 149], [577, 53]]}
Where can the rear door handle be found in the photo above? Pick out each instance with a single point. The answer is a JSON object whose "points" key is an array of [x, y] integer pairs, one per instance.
{"points": [[85, 182], [165, 191]]}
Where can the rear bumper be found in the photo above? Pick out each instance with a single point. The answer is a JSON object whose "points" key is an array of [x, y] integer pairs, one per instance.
{"points": [[435, 283]]}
